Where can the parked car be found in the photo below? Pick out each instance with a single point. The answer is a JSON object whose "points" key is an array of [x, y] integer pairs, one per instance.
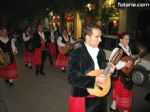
{"points": [[141, 73]]}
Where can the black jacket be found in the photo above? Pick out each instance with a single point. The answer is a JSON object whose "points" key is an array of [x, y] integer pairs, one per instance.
{"points": [[80, 63], [37, 40]]}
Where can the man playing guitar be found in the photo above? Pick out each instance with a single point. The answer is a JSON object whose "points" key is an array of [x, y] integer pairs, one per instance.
{"points": [[82, 60]]}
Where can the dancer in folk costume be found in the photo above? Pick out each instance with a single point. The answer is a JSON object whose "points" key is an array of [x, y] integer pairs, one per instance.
{"points": [[28, 50], [50, 34], [62, 59], [82, 60], [8, 72], [122, 93], [40, 52], [52, 46]]}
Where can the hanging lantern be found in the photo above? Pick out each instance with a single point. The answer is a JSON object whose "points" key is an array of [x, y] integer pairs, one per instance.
{"points": [[69, 18], [56, 19]]}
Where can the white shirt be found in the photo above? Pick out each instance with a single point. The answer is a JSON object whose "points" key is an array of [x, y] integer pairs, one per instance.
{"points": [[42, 35], [60, 43], [93, 53], [26, 37], [52, 36], [121, 64]]}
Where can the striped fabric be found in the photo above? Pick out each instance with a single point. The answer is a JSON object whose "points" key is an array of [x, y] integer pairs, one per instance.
{"points": [[122, 96], [62, 61], [9, 72]]}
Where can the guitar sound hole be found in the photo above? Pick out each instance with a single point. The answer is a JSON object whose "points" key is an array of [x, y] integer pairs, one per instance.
{"points": [[100, 88]]}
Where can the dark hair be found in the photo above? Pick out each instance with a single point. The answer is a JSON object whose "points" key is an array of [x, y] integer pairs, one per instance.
{"points": [[123, 35], [3, 27], [37, 25], [0, 27], [27, 27], [88, 30]]}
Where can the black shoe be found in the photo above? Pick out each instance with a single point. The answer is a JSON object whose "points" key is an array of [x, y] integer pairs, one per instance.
{"points": [[113, 110], [36, 73], [11, 84], [30, 67], [26, 65], [42, 73], [6, 81], [63, 71], [51, 62]]}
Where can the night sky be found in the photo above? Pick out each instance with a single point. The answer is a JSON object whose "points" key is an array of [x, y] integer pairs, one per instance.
{"points": [[28, 7]]}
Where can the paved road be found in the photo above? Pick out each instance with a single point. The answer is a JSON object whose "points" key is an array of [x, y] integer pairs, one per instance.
{"points": [[48, 93]]}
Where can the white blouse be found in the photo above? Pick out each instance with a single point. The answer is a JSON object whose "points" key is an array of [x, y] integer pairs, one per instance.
{"points": [[127, 50], [5, 40], [25, 37], [42, 35], [60, 43]]}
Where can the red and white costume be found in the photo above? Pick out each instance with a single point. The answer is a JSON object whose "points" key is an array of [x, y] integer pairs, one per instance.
{"points": [[62, 60], [10, 71], [27, 55]]}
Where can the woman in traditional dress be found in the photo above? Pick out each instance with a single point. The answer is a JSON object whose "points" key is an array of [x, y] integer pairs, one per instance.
{"points": [[40, 52], [122, 93], [28, 50], [8, 72], [52, 46], [62, 59]]}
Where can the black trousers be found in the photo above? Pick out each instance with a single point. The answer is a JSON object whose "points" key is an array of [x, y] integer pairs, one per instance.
{"points": [[39, 68]]}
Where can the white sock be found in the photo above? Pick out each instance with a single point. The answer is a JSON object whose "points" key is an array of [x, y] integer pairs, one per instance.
{"points": [[10, 80], [30, 64], [62, 68], [125, 111], [113, 105]]}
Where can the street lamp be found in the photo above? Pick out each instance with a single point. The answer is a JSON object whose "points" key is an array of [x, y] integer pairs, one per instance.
{"points": [[90, 6]]}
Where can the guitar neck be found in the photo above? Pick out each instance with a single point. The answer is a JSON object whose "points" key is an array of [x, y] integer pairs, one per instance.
{"points": [[139, 56], [135, 58], [107, 69]]}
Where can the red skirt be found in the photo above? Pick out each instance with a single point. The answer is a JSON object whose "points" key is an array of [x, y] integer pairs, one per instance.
{"points": [[52, 49], [122, 96], [38, 55], [77, 104], [28, 56], [9, 72], [62, 61]]}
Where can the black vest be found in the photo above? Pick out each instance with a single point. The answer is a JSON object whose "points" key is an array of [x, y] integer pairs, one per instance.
{"points": [[63, 40]]}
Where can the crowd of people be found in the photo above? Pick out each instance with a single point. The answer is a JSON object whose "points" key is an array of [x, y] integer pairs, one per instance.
{"points": [[78, 62], [39, 44]]}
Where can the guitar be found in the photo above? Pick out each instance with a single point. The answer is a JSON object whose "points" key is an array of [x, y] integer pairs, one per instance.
{"points": [[102, 90], [127, 70], [5, 59], [68, 47]]}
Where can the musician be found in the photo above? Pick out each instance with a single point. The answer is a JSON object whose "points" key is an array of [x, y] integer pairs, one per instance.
{"points": [[40, 52], [50, 34], [122, 93], [28, 53], [8, 72], [62, 59], [82, 60]]}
